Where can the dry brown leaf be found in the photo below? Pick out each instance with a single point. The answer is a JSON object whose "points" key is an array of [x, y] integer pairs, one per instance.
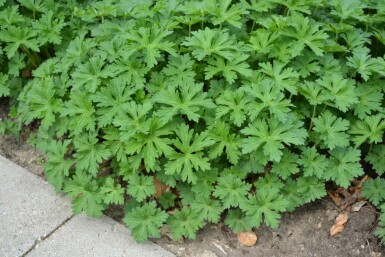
{"points": [[358, 205], [339, 224], [160, 188], [248, 238], [335, 197]]}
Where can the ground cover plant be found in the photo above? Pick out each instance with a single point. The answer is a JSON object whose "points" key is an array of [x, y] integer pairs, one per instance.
{"points": [[189, 112]]}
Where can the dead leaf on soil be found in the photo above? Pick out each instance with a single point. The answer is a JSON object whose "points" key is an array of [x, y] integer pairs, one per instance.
{"points": [[339, 224], [160, 188], [358, 205], [248, 238], [335, 197]]}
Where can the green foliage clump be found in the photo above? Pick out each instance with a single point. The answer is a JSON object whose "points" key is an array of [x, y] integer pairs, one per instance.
{"points": [[240, 110]]}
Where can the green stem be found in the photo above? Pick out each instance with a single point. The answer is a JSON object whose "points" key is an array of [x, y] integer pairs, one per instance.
{"points": [[312, 117]]}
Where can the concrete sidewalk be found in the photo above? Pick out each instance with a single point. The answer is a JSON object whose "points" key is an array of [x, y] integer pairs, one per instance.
{"points": [[35, 221]]}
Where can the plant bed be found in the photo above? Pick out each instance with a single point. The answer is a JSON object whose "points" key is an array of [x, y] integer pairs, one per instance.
{"points": [[200, 112]]}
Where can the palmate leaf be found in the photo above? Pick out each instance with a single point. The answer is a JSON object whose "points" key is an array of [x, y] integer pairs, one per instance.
{"points": [[311, 188], [188, 154], [140, 187], [112, 101], [369, 100], [291, 194], [226, 12], [369, 130], [341, 91], [134, 121], [145, 221], [332, 130], [271, 135], [150, 42], [211, 42], [4, 89], [232, 104], [205, 183], [115, 144], [313, 163], [188, 99], [363, 63], [267, 97], [151, 145], [344, 166], [57, 165], [85, 194], [306, 35], [19, 37], [265, 206], [261, 41], [373, 190], [228, 68], [185, 222], [225, 141], [179, 70], [113, 194], [48, 28], [89, 153], [208, 209], [81, 112], [231, 190], [237, 221], [314, 93], [286, 166], [42, 102], [376, 158], [282, 78]]}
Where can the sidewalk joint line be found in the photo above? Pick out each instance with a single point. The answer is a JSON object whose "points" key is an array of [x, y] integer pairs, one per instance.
{"points": [[43, 238]]}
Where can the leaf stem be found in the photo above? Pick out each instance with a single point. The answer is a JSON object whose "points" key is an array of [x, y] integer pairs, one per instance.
{"points": [[312, 117]]}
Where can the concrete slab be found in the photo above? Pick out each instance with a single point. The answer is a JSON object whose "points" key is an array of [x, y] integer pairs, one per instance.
{"points": [[89, 237], [29, 209]]}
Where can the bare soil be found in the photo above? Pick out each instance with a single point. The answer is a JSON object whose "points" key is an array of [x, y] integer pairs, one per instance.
{"points": [[303, 233]]}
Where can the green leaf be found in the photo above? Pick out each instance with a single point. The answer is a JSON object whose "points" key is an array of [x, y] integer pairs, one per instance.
{"points": [[376, 158], [232, 104], [225, 142], [85, 194], [188, 100], [140, 187], [226, 12], [18, 37], [43, 102], [267, 97], [208, 209], [48, 28], [228, 68], [311, 188], [340, 91], [271, 135], [313, 163], [363, 63], [369, 130], [305, 34], [291, 194], [231, 190], [205, 183], [179, 70], [112, 101], [185, 222], [150, 42], [237, 221], [287, 166], [188, 154], [81, 111], [167, 200], [4, 89], [331, 130], [264, 206], [57, 165], [373, 190], [211, 42], [112, 194], [89, 153], [344, 166], [282, 78], [369, 100], [145, 221]]}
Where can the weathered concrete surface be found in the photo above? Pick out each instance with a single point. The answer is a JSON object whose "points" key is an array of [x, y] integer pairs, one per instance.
{"points": [[29, 209], [89, 237]]}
